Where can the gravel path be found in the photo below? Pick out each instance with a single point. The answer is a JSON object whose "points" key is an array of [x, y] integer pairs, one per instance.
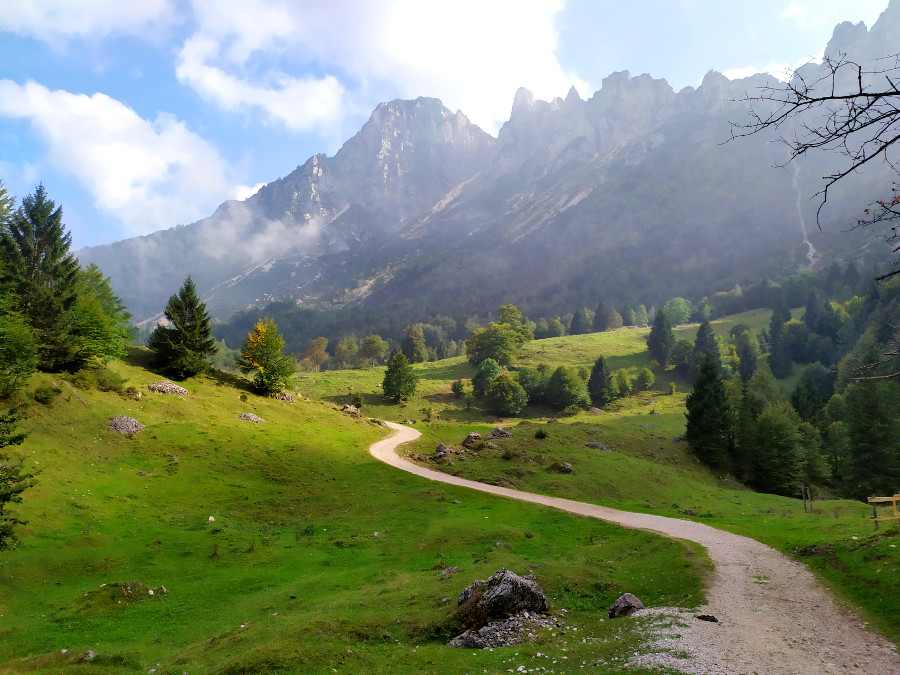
{"points": [[773, 617]]}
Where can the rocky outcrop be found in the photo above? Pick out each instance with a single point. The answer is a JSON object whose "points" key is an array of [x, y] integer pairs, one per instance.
{"points": [[503, 595], [507, 633], [250, 417]]}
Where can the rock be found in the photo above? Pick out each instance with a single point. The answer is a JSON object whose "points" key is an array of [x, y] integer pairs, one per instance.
{"points": [[490, 445], [89, 655], [596, 446], [503, 595], [449, 570], [351, 410], [688, 512], [166, 387], [285, 396], [442, 451], [707, 617], [125, 425], [624, 605], [250, 417], [561, 467], [500, 432], [472, 440]]}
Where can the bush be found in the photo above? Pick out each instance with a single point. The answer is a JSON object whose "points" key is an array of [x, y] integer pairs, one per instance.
{"points": [[672, 388], [107, 380], [84, 379], [506, 396], [457, 388], [540, 433], [566, 389], [46, 395], [645, 380]]}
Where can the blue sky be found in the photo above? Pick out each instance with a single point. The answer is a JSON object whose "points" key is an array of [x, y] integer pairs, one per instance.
{"points": [[138, 116]]}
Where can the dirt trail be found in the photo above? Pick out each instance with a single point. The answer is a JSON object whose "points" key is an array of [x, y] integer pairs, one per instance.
{"points": [[774, 618]]}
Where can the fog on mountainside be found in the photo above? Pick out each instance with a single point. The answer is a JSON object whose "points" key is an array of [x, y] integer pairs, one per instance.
{"points": [[632, 196]]}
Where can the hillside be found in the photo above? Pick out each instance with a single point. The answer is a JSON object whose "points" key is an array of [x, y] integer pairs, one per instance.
{"points": [[282, 547], [422, 213]]}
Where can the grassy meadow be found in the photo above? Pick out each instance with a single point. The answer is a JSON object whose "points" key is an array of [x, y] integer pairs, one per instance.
{"points": [[285, 547], [644, 468]]}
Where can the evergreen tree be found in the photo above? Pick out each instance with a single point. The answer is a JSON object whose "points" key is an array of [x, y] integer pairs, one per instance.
{"points": [[601, 315], [645, 380], [613, 320], [779, 347], [565, 389], [705, 344], [38, 270], [777, 463], [600, 385], [400, 379], [623, 382], [505, 396], [582, 321], [413, 345], [13, 480], [533, 382], [708, 416], [747, 349], [18, 349], [661, 340], [183, 347], [261, 355]]}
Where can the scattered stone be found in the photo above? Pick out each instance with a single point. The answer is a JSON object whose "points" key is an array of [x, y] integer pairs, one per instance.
{"points": [[688, 512], [654, 412], [212, 519], [472, 440], [143, 473], [500, 432], [442, 451], [456, 501], [708, 617], [407, 421], [125, 425], [491, 445], [351, 410], [250, 417], [503, 595], [678, 439], [596, 446], [624, 605], [508, 632], [448, 571], [285, 396], [166, 387]]}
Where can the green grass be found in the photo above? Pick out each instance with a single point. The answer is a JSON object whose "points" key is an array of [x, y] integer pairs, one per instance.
{"points": [[319, 558]]}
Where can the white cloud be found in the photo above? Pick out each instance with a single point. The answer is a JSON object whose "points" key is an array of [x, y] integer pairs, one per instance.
{"points": [[299, 104], [147, 174], [50, 20], [472, 54], [242, 192]]}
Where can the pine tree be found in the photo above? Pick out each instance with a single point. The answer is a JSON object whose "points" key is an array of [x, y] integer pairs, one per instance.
{"points": [[581, 321], [661, 340], [708, 415], [261, 355], [565, 389], [38, 270], [601, 315], [13, 481], [183, 347], [399, 379], [705, 344], [600, 384]]}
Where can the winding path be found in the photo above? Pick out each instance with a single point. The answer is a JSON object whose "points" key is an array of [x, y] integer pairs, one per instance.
{"points": [[774, 617]]}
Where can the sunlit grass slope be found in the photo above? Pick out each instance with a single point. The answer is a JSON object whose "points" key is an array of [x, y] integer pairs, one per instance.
{"points": [[284, 547], [645, 469]]}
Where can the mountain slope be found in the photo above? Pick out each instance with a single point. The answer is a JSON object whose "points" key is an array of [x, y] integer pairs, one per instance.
{"points": [[632, 195]]}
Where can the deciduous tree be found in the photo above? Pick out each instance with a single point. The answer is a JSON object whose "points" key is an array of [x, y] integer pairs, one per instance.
{"points": [[262, 357]]}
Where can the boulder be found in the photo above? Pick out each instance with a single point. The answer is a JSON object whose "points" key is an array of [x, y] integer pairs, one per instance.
{"points": [[166, 387], [472, 440], [441, 451], [624, 605], [125, 425], [285, 396], [500, 432], [250, 417], [561, 467], [503, 595]]}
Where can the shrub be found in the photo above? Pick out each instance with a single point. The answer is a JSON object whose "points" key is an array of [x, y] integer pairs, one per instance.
{"points": [[506, 396], [45, 395], [457, 388], [107, 380], [540, 433], [672, 388], [645, 380], [84, 379]]}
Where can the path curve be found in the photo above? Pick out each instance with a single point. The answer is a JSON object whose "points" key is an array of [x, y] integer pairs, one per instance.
{"points": [[774, 617]]}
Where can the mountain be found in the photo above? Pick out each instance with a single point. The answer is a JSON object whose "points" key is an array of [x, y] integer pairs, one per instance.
{"points": [[634, 195]]}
